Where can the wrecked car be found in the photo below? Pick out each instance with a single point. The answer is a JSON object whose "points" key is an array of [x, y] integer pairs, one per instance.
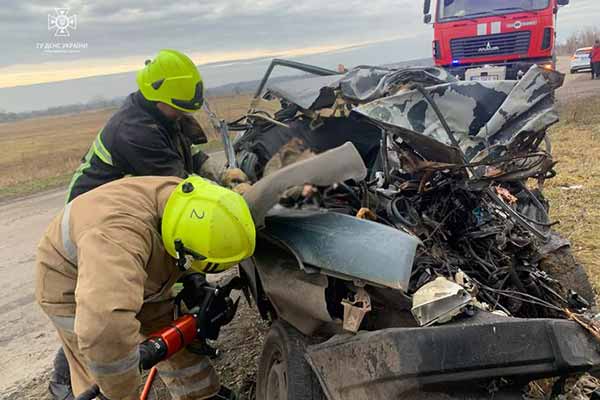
{"points": [[405, 248]]}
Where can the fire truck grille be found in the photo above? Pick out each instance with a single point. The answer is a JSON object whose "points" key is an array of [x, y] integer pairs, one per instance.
{"points": [[491, 45]]}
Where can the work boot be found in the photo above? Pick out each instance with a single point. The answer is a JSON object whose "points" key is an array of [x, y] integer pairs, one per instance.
{"points": [[60, 381], [225, 394]]}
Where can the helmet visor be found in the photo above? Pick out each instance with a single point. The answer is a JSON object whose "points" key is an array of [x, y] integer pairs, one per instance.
{"points": [[195, 103]]}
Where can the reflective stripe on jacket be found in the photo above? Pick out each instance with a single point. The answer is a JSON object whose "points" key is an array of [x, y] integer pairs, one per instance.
{"points": [[99, 264]]}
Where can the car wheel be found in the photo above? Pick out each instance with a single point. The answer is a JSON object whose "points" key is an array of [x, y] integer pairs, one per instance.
{"points": [[283, 373]]}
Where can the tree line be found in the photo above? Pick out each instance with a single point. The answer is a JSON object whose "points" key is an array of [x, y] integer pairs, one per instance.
{"points": [[94, 104], [577, 40]]}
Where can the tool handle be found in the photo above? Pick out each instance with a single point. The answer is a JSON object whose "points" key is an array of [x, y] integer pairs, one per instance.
{"points": [[148, 385]]}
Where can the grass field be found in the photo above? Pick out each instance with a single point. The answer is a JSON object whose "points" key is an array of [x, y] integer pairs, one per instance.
{"points": [[42, 153], [574, 193]]}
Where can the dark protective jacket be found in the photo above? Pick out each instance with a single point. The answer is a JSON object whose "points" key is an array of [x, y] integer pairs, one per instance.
{"points": [[139, 140]]}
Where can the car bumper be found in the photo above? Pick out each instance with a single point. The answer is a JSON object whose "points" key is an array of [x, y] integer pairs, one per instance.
{"points": [[514, 69], [407, 362], [580, 67]]}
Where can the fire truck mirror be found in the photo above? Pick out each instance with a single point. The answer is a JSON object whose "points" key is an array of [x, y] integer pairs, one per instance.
{"points": [[426, 8], [427, 18]]}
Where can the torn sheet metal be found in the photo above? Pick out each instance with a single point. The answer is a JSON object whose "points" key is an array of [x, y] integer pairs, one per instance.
{"points": [[298, 297], [365, 83], [439, 301], [362, 84], [480, 114], [337, 165], [346, 246], [308, 93]]}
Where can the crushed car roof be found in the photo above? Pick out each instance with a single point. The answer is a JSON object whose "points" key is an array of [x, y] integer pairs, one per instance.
{"points": [[497, 113]]}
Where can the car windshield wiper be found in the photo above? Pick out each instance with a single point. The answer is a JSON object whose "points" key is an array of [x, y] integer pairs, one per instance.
{"points": [[474, 15], [467, 16], [477, 14]]}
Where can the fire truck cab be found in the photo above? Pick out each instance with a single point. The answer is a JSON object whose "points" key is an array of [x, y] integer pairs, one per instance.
{"points": [[491, 39]]}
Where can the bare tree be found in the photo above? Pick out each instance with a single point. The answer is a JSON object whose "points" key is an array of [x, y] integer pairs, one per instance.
{"points": [[582, 38]]}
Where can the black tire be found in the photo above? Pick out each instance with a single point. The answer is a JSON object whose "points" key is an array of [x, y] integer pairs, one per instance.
{"points": [[562, 266], [283, 373]]}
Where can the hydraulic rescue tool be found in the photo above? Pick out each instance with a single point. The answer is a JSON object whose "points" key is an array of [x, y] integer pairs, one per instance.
{"points": [[200, 312]]}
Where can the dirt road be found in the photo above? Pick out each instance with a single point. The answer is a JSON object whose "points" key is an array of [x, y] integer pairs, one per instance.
{"points": [[27, 340], [576, 86]]}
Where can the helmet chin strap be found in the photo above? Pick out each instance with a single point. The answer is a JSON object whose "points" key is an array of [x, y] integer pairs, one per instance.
{"points": [[183, 253]]}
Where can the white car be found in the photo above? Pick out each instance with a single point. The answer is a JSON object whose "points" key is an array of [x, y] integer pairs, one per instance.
{"points": [[581, 60]]}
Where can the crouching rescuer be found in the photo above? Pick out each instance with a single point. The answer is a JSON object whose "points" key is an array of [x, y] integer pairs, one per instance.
{"points": [[105, 270]]}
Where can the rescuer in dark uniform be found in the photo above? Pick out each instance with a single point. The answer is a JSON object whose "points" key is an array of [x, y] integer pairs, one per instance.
{"points": [[153, 133]]}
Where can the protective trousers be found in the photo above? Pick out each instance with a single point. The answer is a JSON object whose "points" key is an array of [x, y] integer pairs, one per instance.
{"points": [[187, 375]]}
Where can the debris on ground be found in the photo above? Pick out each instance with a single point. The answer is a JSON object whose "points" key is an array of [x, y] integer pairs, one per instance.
{"points": [[576, 387]]}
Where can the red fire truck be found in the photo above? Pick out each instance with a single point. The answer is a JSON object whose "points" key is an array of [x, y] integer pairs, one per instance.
{"points": [[493, 39]]}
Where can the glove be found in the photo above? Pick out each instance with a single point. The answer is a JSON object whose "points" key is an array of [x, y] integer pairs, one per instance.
{"points": [[216, 308], [152, 351], [242, 188], [233, 177], [221, 310], [193, 292]]}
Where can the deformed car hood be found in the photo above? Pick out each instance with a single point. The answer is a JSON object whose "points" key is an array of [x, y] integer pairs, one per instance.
{"points": [[479, 114]]}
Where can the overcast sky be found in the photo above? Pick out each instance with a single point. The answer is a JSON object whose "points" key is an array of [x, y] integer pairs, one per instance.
{"points": [[120, 34]]}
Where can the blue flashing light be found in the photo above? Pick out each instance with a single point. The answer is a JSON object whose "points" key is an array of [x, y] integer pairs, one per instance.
{"points": [[455, 62]]}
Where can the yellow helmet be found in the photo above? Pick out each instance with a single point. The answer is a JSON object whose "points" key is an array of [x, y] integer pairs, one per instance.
{"points": [[208, 224], [173, 79]]}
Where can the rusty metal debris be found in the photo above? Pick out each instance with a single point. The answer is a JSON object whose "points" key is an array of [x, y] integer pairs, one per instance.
{"points": [[589, 324], [355, 310]]}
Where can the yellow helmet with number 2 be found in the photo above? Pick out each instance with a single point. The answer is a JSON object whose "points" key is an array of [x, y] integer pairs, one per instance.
{"points": [[208, 224]]}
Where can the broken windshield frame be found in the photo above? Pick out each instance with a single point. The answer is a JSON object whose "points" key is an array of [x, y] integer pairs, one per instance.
{"points": [[454, 10]]}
